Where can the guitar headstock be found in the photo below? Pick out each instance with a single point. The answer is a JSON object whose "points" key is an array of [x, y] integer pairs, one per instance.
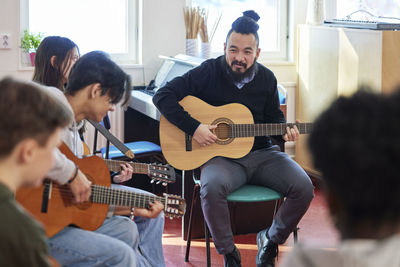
{"points": [[161, 173], [175, 206]]}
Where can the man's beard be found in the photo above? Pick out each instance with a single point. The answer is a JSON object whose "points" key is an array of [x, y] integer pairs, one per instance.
{"points": [[239, 76]]}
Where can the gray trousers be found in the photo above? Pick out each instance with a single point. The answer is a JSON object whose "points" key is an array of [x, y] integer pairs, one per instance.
{"points": [[266, 167]]}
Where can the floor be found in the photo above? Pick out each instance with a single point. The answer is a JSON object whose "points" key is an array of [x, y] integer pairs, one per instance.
{"points": [[315, 229]]}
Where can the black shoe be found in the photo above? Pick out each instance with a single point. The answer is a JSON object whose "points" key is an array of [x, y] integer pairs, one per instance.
{"points": [[267, 250], [232, 259]]}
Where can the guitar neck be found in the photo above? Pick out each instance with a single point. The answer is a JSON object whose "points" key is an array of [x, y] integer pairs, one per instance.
{"points": [[115, 165], [248, 130], [110, 196]]}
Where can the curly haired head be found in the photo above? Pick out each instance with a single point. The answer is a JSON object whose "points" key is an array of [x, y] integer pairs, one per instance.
{"points": [[355, 144]]}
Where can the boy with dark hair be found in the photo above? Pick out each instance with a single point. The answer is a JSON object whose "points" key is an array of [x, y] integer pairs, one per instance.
{"points": [[95, 85], [236, 77], [355, 145], [29, 134]]}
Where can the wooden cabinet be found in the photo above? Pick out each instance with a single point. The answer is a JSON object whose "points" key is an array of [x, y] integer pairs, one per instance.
{"points": [[336, 61]]}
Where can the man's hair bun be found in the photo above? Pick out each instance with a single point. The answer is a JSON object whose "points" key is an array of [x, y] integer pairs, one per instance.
{"points": [[252, 14], [247, 23]]}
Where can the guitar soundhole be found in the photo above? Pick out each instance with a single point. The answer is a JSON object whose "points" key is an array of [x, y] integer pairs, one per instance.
{"points": [[223, 131]]}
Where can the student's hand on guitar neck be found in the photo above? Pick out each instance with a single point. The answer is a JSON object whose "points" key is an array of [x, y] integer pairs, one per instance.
{"points": [[81, 188], [125, 173], [152, 212], [204, 136], [292, 134]]}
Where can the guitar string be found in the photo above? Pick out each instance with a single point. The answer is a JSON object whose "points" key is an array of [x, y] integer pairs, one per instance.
{"points": [[143, 166], [139, 200], [143, 170], [108, 192], [269, 125], [119, 195], [116, 165], [276, 128]]}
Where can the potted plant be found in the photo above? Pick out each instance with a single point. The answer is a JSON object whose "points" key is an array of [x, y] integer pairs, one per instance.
{"points": [[30, 42]]}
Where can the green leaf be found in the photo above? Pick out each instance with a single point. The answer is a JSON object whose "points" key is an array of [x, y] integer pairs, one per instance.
{"points": [[31, 41]]}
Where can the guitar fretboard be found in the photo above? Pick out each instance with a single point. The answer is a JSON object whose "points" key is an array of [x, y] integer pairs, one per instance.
{"points": [[107, 195], [115, 165], [248, 130]]}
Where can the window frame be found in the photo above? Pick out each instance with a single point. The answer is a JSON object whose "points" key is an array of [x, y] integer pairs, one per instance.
{"points": [[283, 36], [132, 30], [283, 39]]}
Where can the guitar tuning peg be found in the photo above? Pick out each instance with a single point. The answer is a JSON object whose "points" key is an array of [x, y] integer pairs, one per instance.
{"points": [[158, 182], [164, 184], [152, 181]]}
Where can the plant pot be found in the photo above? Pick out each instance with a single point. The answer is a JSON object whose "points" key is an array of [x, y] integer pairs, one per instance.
{"points": [[25, 58], [32, 56]]}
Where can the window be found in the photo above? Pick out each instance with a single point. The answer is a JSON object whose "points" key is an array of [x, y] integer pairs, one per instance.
{"points": [[107, 25], [273, 32]]}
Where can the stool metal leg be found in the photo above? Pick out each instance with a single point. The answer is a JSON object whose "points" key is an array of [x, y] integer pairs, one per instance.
{"points": [[295, 232], [195, 196], [207, 235]]}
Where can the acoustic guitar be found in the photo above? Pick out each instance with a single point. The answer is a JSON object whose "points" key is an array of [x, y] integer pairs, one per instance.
{"points": [[158, 173], [52, 204], [235, 133]]}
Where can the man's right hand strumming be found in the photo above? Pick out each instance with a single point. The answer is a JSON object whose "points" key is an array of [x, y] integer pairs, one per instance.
{"points": [[204, 136], [81, 188]]}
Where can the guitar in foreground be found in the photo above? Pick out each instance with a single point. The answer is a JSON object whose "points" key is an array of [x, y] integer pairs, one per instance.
{"points": [[235, 132], [52, 204]]}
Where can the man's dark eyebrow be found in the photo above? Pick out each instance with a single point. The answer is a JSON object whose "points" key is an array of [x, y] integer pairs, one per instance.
{"points": [[247, 48]]}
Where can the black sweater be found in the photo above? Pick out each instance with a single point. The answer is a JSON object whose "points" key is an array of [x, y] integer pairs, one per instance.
{"points": [[211, 83]]}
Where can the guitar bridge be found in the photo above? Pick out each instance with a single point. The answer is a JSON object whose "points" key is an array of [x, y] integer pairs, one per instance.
{"points": [[188, 142]]}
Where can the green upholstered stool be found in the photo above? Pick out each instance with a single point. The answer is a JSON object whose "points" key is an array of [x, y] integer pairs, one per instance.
{"points": [[257, 193], [253, 193], [246, 193]]}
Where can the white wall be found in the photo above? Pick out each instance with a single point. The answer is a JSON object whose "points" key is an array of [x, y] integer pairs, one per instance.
{"points": [[9, 23]]}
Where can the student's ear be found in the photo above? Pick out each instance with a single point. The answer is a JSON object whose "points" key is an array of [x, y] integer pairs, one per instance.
{"points": [[53, 61], [27, 150], [94, 90]]}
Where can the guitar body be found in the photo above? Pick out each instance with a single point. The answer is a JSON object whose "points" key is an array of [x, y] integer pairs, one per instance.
{"points": [[173, 143], [61, 211]]}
